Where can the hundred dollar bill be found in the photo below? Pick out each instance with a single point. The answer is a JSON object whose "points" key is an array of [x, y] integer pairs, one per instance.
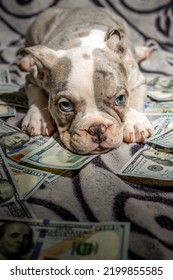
{"points": [[33, 143], [52, 155], [28, 179], [8, 88], [51, 177], [163, 133], [16, 154], [4, 76], [162, 124], [6, 128], [164, 140], [159, 108], [147, 164], [160, 88], [11, 137], [161, 94], [7, 111], [70, 240], [12, 94], [11, 201], [155, 120]]}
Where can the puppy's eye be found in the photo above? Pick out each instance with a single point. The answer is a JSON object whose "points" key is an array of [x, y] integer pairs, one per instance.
{"points": [[66, 106], [120, 100]]}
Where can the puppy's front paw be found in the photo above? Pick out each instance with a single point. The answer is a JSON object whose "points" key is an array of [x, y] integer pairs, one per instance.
{"points": [[137, 127], [38, 122]]}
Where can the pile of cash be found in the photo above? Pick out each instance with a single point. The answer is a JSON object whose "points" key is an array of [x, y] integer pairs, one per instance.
{"points": [[26, 163], [160, 91], [152, 165], [9, 100]]}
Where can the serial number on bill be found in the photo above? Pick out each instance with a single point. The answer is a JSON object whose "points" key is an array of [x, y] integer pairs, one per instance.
{"points": [[133, 270]]}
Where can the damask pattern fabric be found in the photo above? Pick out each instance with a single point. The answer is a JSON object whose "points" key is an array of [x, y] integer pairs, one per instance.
{"points": [[95, 193]]}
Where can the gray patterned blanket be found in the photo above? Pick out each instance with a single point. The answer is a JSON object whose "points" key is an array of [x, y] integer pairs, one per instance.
{"points": [[95, 192]]}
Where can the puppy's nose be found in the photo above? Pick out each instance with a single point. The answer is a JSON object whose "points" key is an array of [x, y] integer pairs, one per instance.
{"points": [[97, 130]]}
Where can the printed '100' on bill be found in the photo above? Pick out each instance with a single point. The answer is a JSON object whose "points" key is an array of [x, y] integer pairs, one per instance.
{"points": [[149, 167], [72, 240]]}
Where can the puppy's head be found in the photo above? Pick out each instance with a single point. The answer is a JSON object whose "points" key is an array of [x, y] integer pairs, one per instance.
{"points": [[88, 93]]}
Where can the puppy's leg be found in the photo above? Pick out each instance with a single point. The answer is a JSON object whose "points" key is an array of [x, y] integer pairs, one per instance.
{"points": [[38, 119], [137, 127]]}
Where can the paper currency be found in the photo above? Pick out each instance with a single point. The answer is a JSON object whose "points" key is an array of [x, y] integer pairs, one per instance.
{"points": [[12, 94], [161, 125], [28, 179], [11, 201], [8, 88], [70, 240], [52, 155], [51, 177], [156, 120], [4, 76], [160, 94], [149, 163], [161, 88], [163, 133], [7, 111], [6, 127], [33, 143], [163, 140], [159, 108], [164, 125], [18, 153], [11, 137]]}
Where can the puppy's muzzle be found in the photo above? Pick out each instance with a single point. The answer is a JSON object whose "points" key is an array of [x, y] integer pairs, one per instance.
{"points": [[97, 131]]}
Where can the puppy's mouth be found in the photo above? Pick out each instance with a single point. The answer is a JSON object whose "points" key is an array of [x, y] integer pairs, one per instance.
{"points": [[100, 150], [96, 138]]}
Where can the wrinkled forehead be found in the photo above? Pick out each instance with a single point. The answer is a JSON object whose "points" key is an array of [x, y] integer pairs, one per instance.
{"points": [[79, 63], [81, 67]]}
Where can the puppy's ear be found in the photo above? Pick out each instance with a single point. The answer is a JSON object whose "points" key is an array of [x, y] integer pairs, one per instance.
{"points": [[116, 40], [43, 56]]}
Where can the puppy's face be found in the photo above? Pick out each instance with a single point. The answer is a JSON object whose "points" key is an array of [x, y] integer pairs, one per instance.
{"points": [[88, 99], [88, 92]]}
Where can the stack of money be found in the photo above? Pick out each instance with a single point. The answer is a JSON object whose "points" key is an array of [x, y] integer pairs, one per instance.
{"points": [[160, 91], [152, 165], [11, 96]]}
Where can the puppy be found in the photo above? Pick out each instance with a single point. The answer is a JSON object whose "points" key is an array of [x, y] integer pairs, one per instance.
{"points": [[83, 80]]}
